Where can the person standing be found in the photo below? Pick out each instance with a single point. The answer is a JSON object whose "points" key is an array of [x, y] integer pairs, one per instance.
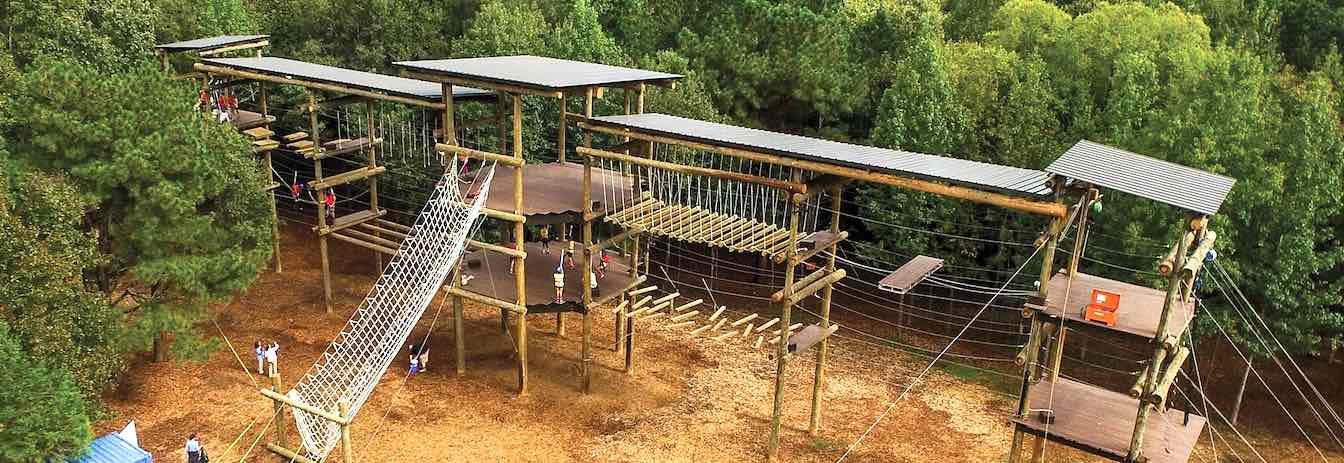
{"points": [[194, 449], [261, 356], [545, 239], [272, 357], [559, 277]]}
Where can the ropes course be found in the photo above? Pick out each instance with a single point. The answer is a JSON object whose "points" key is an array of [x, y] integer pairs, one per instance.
{"points": [[355, 362]]}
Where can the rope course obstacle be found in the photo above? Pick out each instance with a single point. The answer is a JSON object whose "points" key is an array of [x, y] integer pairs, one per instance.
{"points": [[735, 188], [353, 364]]}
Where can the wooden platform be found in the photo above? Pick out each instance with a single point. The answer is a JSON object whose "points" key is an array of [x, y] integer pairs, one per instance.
{"points": [[553, 192], [1140, 307], [1101, 422], [492, 276], [696, 225], [243, 120]]}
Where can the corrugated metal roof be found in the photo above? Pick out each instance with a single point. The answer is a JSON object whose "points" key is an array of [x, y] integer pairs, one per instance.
{"points": [[1174, 184], [979, 175], [113, 449], [210, 43], [536, 72], [321, 73]]}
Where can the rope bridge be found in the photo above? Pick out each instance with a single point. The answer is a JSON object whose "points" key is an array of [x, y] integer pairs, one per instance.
{"points": [[354, 363], [742, 216]]}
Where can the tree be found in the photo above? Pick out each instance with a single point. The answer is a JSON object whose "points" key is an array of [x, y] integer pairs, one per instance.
{"points": [[107, 35], [43, 414], [178, 206], [44, 250]]}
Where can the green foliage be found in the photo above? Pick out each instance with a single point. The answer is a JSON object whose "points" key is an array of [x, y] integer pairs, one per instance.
{"points": [[184, 20], [43, 254], [106, 34], [41, 408], [177, 203]]}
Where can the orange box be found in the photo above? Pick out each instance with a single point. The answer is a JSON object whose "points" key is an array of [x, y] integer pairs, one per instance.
{"points": [[1104, 308]]}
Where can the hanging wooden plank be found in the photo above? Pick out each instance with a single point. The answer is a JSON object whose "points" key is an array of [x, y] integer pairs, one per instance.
{"points": [[809, 337], [911, 274]]}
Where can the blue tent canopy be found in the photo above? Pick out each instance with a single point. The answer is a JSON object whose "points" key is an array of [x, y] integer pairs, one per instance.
{"points": [[113, 449]]}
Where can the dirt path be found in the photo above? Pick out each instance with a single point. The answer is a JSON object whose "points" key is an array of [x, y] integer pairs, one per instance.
{"points": [[690, 400]]}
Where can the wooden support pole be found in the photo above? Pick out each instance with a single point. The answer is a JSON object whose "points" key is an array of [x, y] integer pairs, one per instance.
{"points": [[786, 308], [819, 375], [459, 336], [279, 438], [321, 205], [1028, 361], [347, 450], [1159, 352], [560, 131], [519, 282], [587, 242], [373, 181], [514, 253]]}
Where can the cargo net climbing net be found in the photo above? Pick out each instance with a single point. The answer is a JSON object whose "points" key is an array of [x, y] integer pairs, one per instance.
{"points": [[355, 361]]}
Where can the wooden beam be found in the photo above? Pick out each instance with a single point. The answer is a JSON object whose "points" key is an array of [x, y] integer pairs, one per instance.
{"points": [[501, 215], [698, 171], [346, 177], [800, 284], [615, 294], [287, 453], [607, 243], [241, 46], [1039, 207], [507, 160], [314, 85], [817, 285], [477, 245], [329, 416], [487, 300], [364, 244], [481, 84]]}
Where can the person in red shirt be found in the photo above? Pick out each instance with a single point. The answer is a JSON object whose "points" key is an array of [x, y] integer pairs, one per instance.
{"points": [[330, 201]]}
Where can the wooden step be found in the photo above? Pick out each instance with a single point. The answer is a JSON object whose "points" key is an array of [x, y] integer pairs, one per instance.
{"points": [[300, 145], [271, 186], [346, 177], [359, 242], [296, 136], [331, 143], [350, 220], [347, 146], [261, 146], [258, 133], [243, 120]]}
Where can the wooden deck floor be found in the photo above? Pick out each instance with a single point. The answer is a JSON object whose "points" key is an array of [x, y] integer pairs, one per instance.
{"points": [[1101, 422], [1140, 307], [492, 276]]}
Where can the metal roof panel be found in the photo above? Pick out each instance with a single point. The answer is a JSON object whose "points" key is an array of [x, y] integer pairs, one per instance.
{"points": [[1162, 181], [392, 85], [210, 43], [980, 175], [536, 72]]}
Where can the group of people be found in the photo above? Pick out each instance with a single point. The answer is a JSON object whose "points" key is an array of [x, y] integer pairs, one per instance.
{"points": [[267, 354], [599, 272]]}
